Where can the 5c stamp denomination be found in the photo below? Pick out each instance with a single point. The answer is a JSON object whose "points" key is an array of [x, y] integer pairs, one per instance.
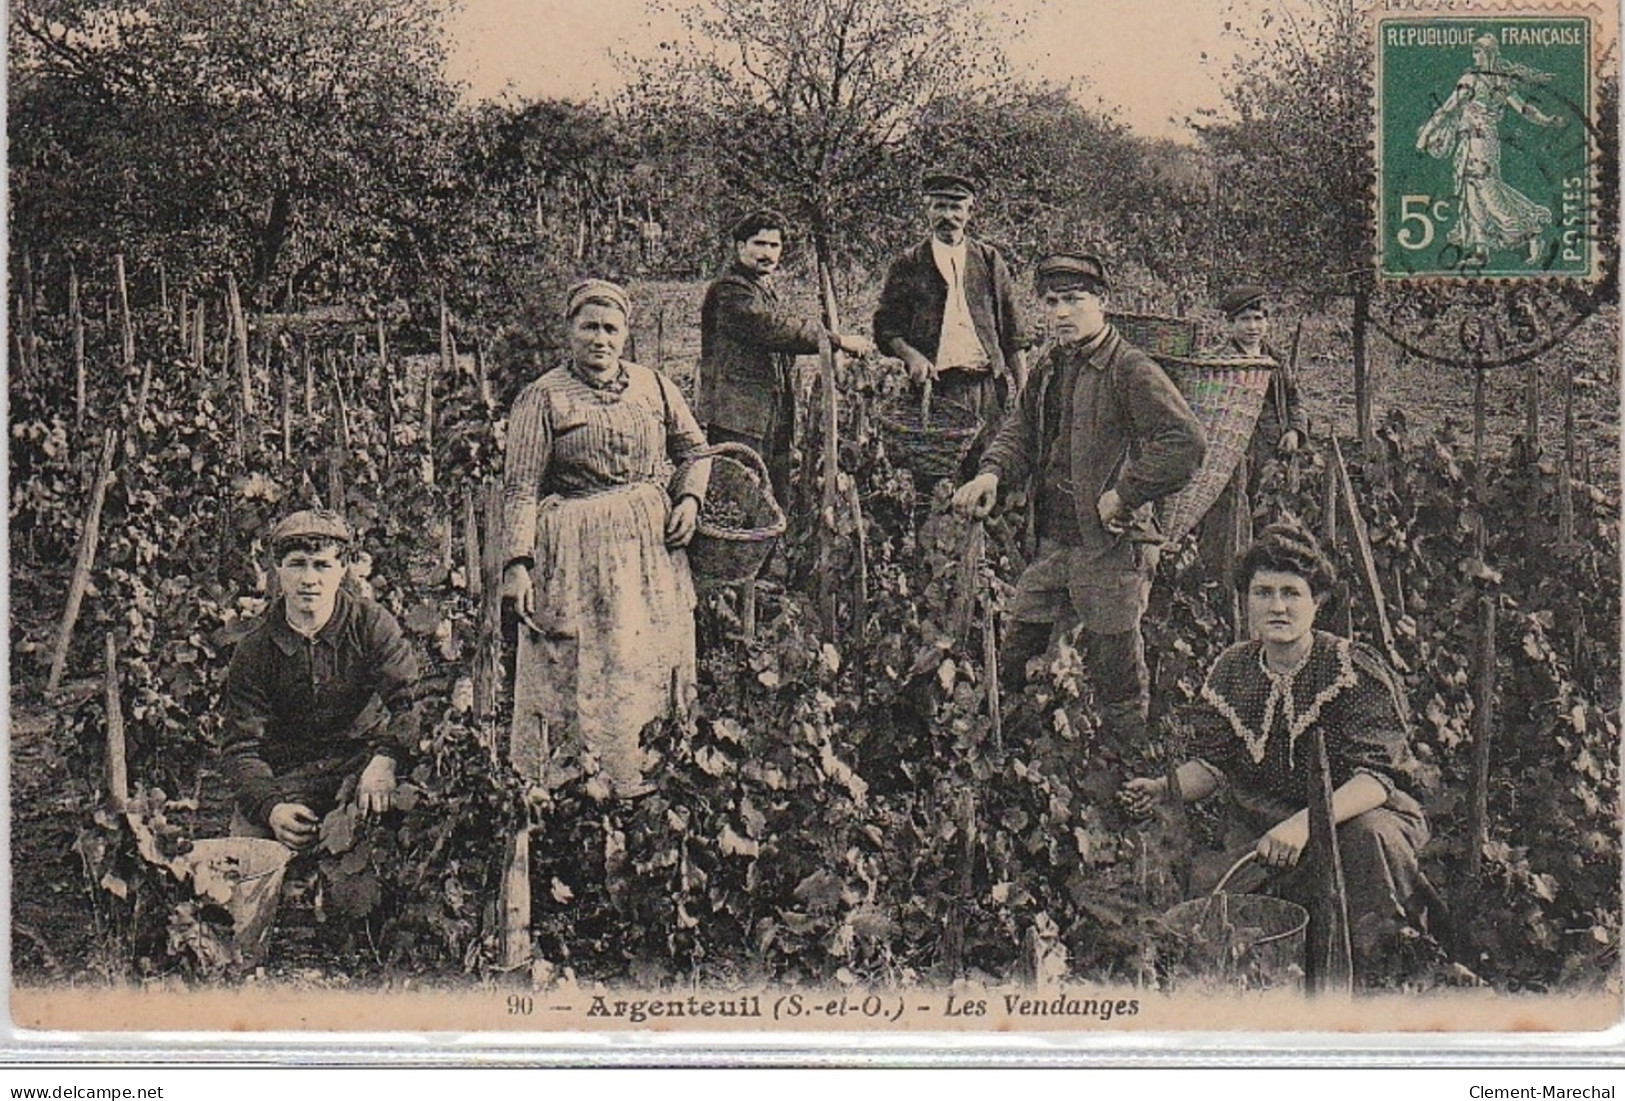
{"points": [[1483, 146]]}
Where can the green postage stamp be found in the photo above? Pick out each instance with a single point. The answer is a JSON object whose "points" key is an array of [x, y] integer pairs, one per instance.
{"points": [[1483, 146]]}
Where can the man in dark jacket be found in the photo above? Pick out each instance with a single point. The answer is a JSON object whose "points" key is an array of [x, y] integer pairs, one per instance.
{"points": [[319, 693], [1102, 433], [948, 309], [748, 346]]}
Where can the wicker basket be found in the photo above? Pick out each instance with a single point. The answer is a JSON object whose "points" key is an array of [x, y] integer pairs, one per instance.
{"points": [[1226, 395], [1156, 335], [931, 441], [740, 520]]}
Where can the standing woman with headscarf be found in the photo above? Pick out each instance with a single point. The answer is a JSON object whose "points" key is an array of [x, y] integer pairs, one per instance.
{"points": [[596, 516]]}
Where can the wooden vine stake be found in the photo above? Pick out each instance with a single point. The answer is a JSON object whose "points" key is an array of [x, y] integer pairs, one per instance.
{"points": [[1483, 728], [84, 558], [1330, 967], [287, 413], [1328, 507], [1238, 533], [126, 325], [1361, 539], [308, 359], [517, 950], [482, 379], [239, 338], [473, 563], [953, 938], [1294, 462], [832, 470], [118, 772], [1565, 470], [26, 343], [199, 341], [1531, 408], [488, 648], [76, 322]]}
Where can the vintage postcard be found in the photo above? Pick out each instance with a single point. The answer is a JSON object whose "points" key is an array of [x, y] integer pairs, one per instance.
{"points": [[775, 526]]}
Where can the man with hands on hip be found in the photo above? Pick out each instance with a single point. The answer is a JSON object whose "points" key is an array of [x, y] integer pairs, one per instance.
{"points": [[1102, 433]]}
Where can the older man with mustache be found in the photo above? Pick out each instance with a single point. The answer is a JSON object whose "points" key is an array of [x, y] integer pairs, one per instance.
{"points": [[948, 310]]}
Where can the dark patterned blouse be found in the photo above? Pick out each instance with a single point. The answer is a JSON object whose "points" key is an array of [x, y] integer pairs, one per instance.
{"points": [[1251, 722]]}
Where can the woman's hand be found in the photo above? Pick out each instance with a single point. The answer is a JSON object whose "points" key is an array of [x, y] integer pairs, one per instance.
{"points": [[1284, 845], [680, 525], [1140, 796], [517, 587]]}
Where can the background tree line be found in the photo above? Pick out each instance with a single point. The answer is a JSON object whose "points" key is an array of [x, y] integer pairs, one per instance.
{"points": [[320, 155]]}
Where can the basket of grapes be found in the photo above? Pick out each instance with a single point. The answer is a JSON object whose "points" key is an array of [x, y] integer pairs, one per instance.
{"points": [[739, 521]]}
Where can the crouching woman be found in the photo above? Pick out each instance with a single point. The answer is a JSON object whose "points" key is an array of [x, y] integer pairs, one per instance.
{"points": [[1261, 701]]}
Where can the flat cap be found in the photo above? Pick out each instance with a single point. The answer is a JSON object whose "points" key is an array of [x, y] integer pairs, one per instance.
{"points": [[757, 220], [1065, 270], [1248, 296], [948, 184], [319, 523]]}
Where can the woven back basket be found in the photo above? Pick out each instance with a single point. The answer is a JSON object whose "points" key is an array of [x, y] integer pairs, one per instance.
{"points": [[740, 520], [931, 440], [1155, 335], [1226, 395]]}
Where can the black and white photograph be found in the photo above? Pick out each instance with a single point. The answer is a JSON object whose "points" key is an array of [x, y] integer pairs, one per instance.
{"points": [[803, 517]]}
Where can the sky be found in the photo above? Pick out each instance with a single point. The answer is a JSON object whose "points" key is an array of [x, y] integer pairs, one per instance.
{"points": [[1143, 59]]}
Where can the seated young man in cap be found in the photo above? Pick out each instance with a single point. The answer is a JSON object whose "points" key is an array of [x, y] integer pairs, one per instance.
{"points": [[1102, 433], [319, 692], [948, 309], [748, 345]]}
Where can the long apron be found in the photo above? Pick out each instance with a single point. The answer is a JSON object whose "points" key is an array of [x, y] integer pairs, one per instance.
{"points": [[615, 652]]}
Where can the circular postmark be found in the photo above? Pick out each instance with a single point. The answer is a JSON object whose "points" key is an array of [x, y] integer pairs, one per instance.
{"points": [[1459, 323]]}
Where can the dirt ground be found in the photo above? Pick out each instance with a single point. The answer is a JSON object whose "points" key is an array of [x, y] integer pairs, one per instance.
{"points": [[54, 934]]}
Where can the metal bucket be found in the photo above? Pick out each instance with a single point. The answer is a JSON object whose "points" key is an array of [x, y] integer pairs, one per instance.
{"points": [[1233, 941], [244, 875]]}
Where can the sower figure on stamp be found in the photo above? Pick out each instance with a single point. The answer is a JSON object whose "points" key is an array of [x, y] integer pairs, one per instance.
{"points": [[748, 345], [1282, 427], [319, 693], [1259, 700], [948, 311], [1103, 433]]}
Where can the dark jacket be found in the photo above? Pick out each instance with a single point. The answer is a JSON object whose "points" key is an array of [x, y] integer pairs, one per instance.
{"points": [[1131, 430], [748, 346], [302, 714], [915, 295]]}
